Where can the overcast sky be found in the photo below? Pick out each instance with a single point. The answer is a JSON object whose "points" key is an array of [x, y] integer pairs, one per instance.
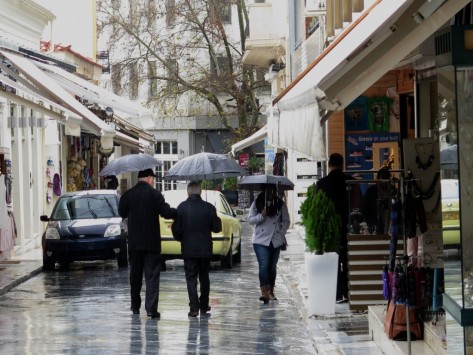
{"points": [[73, 25]]}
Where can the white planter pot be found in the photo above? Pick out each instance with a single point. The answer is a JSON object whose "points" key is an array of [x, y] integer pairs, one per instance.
{"points": [[322, 282]]}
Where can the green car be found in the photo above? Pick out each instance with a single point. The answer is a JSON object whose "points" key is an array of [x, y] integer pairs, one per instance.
{"points": [[450, 213], [226, 244]]}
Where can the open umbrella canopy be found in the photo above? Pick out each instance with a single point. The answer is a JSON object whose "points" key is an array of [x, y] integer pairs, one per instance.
{"points": [[130, 162], [261, 182], [204, 166]]}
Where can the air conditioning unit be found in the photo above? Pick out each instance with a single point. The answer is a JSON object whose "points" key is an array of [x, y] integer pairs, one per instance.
{"points": [[454, 45]]}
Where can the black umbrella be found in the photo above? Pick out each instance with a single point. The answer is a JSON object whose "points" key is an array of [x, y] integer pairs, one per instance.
{"points": [[130, 162], [204, 166], [261, 182]]}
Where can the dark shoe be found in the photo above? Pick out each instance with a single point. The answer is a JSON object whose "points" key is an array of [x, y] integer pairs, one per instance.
{"points": [[193, 313], [205, 310], [154, 315], [135, 310]]}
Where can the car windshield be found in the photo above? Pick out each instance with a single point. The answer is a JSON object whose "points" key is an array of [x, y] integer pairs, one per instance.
{"points": [[85, 207]]}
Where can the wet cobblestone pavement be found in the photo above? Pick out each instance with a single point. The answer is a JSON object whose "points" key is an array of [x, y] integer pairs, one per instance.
{"points": [[85, 310]]}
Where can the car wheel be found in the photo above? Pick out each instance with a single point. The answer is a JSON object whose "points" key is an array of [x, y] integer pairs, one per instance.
{"points": [[122, 258], [237, 256], [227, 260], [48, 263]]}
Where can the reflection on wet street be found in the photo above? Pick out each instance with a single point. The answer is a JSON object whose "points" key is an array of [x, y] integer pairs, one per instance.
{"points": [[86, 310]]}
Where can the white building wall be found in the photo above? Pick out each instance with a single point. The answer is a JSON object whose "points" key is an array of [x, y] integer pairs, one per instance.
{"points": [[21, 24]]}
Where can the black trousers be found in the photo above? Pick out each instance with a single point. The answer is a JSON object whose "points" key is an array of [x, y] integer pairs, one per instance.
{"points": [[197, 267], [148, 263]]}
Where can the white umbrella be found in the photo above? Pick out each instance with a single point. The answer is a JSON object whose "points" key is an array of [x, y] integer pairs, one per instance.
{"points": [[204, 166], [130, 162]]}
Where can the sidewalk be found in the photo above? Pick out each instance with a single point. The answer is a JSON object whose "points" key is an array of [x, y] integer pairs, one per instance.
{"points": [[19, 268], [346, 332]]}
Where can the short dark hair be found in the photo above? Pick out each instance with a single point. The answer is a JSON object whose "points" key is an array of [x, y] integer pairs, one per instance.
{"points": [[194, 188], [146, 173], [336, 160]]}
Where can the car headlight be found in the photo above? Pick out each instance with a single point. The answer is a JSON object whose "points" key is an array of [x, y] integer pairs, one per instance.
{"points": [[113, 231], [52, 233]]}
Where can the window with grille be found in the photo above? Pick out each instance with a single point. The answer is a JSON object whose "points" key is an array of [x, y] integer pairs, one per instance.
{"points": [[172, 71], [166, 147], [223, 66], [153, 82], [226, 14], [170, 12], [116, 79], [133, 81], [161, 184]]}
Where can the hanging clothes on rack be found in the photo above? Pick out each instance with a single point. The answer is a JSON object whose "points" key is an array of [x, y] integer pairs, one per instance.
{"points": [[395, 226], [6, 232]]}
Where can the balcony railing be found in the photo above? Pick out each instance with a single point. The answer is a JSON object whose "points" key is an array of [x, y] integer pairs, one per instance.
{"points": [[306, 53]]}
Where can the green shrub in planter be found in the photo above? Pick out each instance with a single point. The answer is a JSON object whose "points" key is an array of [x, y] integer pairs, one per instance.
{"points": [[321, 221]]}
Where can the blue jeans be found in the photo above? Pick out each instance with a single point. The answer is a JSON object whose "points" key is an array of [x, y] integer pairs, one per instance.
{"points": [[268, 257]]}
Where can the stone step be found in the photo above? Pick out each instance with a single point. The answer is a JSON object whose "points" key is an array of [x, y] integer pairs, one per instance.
{"points": [[433, 336]]}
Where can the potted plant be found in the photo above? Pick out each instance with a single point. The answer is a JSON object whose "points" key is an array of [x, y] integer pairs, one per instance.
{"points": [[255, 164], [322, 227]]}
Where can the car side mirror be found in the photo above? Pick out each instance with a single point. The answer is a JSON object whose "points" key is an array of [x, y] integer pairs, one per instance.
{"points": [[44, 218]]}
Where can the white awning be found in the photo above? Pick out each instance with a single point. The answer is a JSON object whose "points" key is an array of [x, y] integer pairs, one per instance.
{"points": [[403, 33], [23, 87], [88, 91], [256, 137], [295, 124], [44, 83], [367, 49], [97, 95]]}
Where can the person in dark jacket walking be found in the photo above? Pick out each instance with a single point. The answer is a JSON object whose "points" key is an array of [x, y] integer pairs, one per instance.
{"points": [[195, 221], [142, 205], [335, 187]]}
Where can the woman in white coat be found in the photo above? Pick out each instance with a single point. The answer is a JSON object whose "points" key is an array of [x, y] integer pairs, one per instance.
{"points": [[270, 218]]}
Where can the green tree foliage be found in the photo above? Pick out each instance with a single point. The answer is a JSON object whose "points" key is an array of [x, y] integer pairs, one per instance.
{"points": [[321, 221]]}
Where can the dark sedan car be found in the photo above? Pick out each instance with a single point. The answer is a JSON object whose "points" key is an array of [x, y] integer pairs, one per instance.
{"points": [[85, 225]]}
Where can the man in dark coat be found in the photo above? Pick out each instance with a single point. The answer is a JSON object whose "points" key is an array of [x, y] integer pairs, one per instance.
{"points": [[142, 205], [335, 187], [195, 221]]}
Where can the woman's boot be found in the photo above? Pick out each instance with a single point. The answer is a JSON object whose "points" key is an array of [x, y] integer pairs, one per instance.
{"points": [[272, 297], [265, 295]]}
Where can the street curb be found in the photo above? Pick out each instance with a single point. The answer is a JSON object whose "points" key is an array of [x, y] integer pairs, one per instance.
{"points": [[19, 280]]}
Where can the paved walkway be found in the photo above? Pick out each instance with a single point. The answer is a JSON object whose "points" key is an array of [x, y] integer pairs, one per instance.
{"points": [[343, 333]]}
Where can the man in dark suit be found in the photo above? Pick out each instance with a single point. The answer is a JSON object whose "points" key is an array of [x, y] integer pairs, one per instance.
{"points": [[195, 221], [335, 187], [142, 205]]}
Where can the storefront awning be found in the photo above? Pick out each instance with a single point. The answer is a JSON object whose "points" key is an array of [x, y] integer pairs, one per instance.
{"points": [[50, 88], [92, 93], [256, 137], [368, 48]]}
